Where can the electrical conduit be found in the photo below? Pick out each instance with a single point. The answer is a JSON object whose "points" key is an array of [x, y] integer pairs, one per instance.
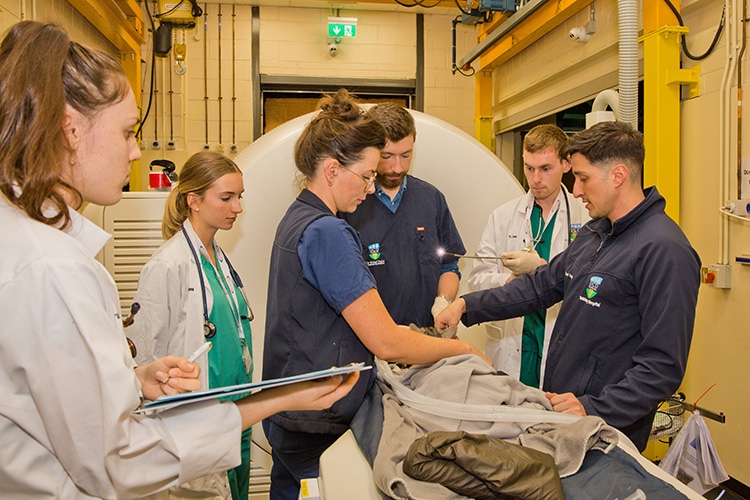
{"points": [[725, 100]]}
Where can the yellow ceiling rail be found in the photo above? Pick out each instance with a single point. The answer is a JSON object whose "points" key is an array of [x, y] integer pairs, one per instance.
{"points": [[110, 20], [485, 29], [546, 18]]}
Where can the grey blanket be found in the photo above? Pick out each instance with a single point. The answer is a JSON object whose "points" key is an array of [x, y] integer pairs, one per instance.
{"points": [[568, 443], [460, 379]]}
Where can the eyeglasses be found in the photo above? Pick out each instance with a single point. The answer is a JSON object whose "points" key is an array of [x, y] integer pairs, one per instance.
{"points": [[368, 180]]}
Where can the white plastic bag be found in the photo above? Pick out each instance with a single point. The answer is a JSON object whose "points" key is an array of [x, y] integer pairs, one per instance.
{"points": [[692, 457]]}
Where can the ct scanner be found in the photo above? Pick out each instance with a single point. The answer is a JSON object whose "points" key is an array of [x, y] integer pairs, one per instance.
{"points": [[472, 179]]}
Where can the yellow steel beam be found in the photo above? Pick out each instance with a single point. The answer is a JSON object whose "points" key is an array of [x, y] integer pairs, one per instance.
{"points": [[657, 14], [483, 109], [120, 22], [661, 112], [111, 22], [131, 63], [134, 14], [429, 3], [545, 19], [662, 79]]}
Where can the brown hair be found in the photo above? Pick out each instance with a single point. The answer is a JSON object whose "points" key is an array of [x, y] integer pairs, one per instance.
{"points": [[42, 70], [396, 120], [199, 172], [543, 137], [341, 130], [608, 142]]}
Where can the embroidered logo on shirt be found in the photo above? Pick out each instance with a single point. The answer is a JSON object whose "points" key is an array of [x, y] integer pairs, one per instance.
{"points": [[594, 283], [374, 251], [574, 228]]}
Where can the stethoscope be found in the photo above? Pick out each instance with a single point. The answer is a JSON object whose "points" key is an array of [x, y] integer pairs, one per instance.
{"points": [[209, 329], [567, 214]]}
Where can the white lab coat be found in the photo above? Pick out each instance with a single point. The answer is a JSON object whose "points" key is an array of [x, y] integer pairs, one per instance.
{"points": [[170, 321], [67, 385], [505, 232]]}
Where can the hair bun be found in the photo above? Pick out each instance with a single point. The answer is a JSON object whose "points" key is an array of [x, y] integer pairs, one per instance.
{"points": [[341, 106]]}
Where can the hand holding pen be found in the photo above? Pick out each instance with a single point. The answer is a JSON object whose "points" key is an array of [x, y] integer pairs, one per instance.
{"points": [[204, 348]]}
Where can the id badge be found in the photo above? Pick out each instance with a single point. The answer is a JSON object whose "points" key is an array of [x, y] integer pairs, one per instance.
{"points": [[246, 358]]}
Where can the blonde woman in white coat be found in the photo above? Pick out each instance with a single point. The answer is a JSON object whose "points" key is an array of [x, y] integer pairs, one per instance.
{"points": [[509, 234], [185, 302]]}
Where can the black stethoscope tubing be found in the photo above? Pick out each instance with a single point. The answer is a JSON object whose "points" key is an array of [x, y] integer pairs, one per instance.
{"points": [[209, 329], [567, 213], [567, 208]]}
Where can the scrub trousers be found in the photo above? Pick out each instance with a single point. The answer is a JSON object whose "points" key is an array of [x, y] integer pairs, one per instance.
{"points": [[296, 456], [239, 477]]}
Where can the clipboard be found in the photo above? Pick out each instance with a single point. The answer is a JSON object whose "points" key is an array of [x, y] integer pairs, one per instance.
{"points": [[170, 401]]}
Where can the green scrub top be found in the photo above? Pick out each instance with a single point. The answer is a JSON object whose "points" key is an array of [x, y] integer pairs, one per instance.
{"points": [[225, 365], [532, 342]]}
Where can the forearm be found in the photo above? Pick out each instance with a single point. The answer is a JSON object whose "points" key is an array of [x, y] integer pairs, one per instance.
{"points": [[525, 295], [309, 395], [260, 405], [486, 276], [373, 325], [448, 285], [411, 347]]}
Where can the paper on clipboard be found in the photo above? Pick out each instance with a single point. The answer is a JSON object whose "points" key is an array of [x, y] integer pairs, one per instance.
{"points": [[171, 401]]}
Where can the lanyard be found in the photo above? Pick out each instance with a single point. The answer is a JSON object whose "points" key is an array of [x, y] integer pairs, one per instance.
{"points": [[227, 270], [224, 277]]}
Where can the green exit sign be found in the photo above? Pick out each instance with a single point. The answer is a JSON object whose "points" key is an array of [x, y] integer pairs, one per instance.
{"points": [[342, 27]]}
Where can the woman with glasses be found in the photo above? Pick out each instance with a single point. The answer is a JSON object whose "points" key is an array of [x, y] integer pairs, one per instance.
{"points": [[189, 293], [68, 384], [323, 306]]}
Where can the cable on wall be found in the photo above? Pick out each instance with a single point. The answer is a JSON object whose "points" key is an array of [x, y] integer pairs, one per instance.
{"points": [[684, 43], [220, 147], [153, 63], [233, 147], [456, 21], [205, 70], [418, 3]]}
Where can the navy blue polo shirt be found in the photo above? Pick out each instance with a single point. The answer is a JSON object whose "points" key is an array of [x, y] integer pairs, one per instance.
{"points": [[401, 248]]}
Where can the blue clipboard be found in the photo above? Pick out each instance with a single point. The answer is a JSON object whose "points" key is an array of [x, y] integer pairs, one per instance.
{"points": [[165, 402]]}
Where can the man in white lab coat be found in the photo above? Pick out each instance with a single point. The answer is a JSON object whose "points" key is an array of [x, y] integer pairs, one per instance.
{"points": [[520, 236]]}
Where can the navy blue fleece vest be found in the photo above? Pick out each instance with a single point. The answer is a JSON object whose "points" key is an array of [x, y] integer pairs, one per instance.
{"points": [[303, 333]]}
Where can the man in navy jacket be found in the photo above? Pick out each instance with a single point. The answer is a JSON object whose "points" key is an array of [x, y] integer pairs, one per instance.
{"points": [[628, 285]]}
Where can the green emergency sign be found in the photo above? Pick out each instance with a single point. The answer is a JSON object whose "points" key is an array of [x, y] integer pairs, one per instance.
{"points": [[342, 27]]}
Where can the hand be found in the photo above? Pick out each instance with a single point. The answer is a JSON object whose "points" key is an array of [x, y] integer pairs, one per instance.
{"points": [[451, 315], [438, 306], [521, 262], [309, 395], [320, 394], [566, 403], [168, 375], [473, 350]]}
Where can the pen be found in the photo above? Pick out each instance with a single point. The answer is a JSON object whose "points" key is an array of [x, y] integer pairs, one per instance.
{"points": [[200, 351]]}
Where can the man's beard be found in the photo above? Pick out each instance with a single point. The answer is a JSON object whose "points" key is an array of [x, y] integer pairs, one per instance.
{"points": [[388, 183]]}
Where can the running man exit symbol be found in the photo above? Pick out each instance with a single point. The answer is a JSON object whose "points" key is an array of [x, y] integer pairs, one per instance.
{"points": [[345, 27]]}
